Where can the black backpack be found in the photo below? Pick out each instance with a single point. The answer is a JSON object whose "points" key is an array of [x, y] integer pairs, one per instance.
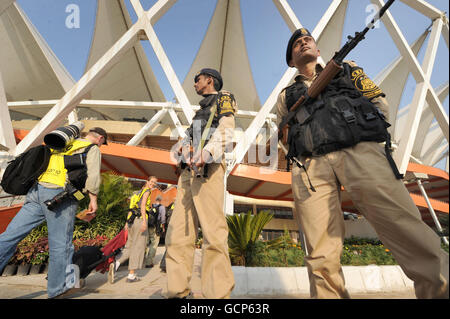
{"points": [[153, 216], [23, 171]]}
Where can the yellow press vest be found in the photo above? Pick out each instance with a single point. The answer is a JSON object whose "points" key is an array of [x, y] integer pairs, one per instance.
{"points": [[56, 172], [135, 199]]}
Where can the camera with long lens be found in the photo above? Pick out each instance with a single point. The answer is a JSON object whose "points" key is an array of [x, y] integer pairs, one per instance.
{"points": [[70, 192], [63, 136]]}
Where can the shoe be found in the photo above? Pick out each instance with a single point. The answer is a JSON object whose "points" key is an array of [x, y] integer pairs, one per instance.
{"points": [[188, 296], [134, 279], [149, 266], [111, 273], [66, 293], [82, 283]]}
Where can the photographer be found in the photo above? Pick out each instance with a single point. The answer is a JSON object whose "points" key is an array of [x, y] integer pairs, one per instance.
{"points": [[41, 204], [137, 226]]}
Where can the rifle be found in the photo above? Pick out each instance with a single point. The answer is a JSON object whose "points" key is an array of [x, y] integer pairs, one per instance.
{"points": [[185, 158], [329, 72], [199, 149]]}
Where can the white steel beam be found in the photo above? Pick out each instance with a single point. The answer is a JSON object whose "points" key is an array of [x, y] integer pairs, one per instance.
{"points": [[169, 71], [177, 123], [158, 10], [137, 6], [97, 105], [147, 127], [439, 155], [424, 7], [401, 43], [426, 121], [288, 14], [56, 115], [422, 76], [403, 153], [6, 129], [445, 30], [252, 131], [70, 100]]}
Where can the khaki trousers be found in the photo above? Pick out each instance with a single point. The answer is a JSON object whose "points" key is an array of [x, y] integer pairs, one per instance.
{"points": [[365, 174], [199, 201], [135, 247], [153, 241]]}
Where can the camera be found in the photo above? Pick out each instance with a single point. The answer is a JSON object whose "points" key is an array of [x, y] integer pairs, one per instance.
{"points": [[63, 136], [70, 192]]}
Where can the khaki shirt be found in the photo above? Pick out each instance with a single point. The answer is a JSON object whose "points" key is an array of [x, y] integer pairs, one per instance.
{"points": [[221, 139], [93, 164], [282, 110]]}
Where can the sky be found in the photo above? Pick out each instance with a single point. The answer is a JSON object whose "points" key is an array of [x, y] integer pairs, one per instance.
{"points": [[183, 27]]}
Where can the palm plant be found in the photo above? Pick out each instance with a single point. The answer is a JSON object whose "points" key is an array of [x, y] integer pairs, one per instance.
{"points": [[112, 202], [243, 232]]}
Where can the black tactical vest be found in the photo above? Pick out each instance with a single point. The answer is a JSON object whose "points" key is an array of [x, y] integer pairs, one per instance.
{"points": [[201, 117], [341, 118]]}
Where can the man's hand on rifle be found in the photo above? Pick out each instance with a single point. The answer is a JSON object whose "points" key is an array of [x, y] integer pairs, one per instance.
{"points": [[200, 159]]}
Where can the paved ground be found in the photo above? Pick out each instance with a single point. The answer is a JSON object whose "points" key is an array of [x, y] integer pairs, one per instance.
{"points": [[152, 286]]}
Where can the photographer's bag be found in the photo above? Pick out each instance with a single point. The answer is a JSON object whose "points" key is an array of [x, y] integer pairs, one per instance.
{"points": [[22, 172]]}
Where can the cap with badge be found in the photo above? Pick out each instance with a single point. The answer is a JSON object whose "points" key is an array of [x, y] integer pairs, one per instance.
{"points": [[210, 72], [302, 32], [101, 132]]}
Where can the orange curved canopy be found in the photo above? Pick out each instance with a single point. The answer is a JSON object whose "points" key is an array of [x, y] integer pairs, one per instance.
{"points": [[250, 180]]}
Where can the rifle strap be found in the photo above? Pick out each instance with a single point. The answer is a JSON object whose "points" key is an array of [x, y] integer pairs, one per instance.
{"points": [[387, 148], [207, 127]]}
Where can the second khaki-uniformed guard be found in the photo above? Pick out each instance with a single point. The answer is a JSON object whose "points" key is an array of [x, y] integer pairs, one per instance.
{"points": [[322, 136], [200, 199]]}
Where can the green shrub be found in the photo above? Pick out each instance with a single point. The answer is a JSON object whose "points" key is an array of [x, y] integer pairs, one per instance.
{"points": [[280, 252], [366, 254], [112, 209], [243, 232]]}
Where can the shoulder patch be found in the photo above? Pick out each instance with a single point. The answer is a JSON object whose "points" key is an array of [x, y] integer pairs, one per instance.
{"points": [[364, 84], [226, 104]]}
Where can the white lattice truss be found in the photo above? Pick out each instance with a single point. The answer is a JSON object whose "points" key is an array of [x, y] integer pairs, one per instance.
{"points": [[418, 139]]}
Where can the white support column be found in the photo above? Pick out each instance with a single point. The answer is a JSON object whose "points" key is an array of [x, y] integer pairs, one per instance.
{"points": [[168, 70], [288, 14], [403, 152], [424, 7], [176, 122], [6, 129], [159, 9], [291, 20], [70, 100], [445, 30], [137, 7], [252, 131], [7, 140], [147, 127], [439, 155], [447, 163]]}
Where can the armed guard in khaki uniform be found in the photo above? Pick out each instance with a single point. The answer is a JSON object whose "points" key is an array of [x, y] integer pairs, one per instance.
{"points": [[200, 195], [336, 137]]}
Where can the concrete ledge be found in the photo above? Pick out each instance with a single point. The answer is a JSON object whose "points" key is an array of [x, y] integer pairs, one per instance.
{"points": [[294, 280]]}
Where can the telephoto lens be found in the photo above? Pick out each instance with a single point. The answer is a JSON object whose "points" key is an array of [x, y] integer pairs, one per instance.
{"points": [[62, 136]]}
